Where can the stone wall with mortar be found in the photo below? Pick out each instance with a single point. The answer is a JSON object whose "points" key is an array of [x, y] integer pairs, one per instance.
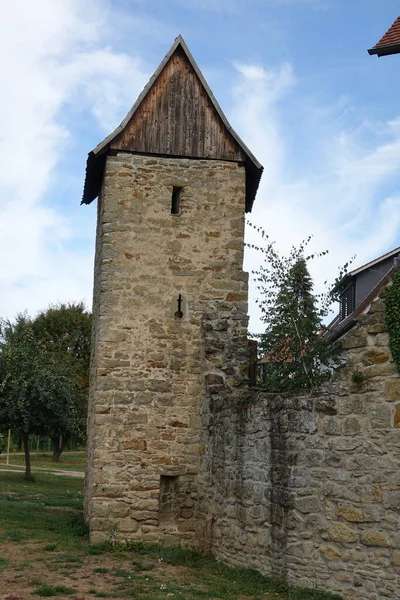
{"points": [[307, 487], [148, 365]]}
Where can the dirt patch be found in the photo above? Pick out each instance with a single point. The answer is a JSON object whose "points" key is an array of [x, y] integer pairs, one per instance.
{"points": [[31, 567]]}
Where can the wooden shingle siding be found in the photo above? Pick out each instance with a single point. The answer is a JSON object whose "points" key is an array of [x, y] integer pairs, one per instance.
{"points": [[176, 118]]}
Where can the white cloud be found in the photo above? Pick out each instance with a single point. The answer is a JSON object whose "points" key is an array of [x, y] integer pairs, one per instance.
{"points": [[52, 56], [106, 82], [58, 57], [339, 197], [256, 97]]}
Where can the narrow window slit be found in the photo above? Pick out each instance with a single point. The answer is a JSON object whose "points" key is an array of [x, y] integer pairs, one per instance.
{"points": [[179, 313], [176, 200]]}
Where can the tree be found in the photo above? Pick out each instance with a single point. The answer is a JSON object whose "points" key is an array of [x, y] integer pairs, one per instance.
{"points": [[64, 334], [35, 392], [44, 375], [294, 353], [19, 359]]}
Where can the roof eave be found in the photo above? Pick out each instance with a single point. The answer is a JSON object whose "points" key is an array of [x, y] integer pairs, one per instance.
{"points": [[385, 50], [341, 282], [351, 320], [376, 261], [254, 169], [344, 328]]}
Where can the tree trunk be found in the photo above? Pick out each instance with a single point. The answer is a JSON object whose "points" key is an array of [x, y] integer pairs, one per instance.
{"points": [[28, 472], [58, 442]]}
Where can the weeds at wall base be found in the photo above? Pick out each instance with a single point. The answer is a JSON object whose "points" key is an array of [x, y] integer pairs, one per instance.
{"points": [[251, 580]]}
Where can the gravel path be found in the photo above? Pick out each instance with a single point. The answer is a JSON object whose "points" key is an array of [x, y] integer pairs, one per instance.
{"points": [[77, 474]]}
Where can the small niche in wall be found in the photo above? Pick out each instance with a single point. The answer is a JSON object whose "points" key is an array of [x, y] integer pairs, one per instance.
{"points": [[168, 500], [176, 200]]}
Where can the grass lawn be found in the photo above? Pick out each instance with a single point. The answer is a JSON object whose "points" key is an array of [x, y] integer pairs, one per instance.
{"points": [[71, 461], [44, 552]]}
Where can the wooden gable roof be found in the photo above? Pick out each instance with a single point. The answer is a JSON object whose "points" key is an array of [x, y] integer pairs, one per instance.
{"points": [[176, 115], [390, 42]]}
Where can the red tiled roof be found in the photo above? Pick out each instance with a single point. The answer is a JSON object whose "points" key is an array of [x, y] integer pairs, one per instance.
{"points": [[390, 42]]}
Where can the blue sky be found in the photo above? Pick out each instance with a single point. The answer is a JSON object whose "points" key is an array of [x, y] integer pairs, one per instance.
{"points": [[293, 77]]}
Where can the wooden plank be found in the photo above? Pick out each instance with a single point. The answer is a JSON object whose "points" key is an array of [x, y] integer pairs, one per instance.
{"points": [[177, 118]]}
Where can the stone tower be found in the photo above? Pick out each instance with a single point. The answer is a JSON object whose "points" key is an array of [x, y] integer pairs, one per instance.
{"points": [[170, 301]]}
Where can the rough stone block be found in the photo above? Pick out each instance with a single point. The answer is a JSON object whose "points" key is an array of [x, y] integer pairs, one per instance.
{"points": [[385, 369], [112, 335], [353, 425], [128, 525], [377, 306], [330, 553], [350, 513], [309, 504], [327, 406], [382, 339], [339, 532], [392, 389], [375, 356], [380, 416], [135, 444], [332, 426], [236, 297], [355, 339], [376, 328], [392, 500], [343, 577], [373, 317], [119, 509], [98, 537], [351, 404], [100, 510], [374, 538]]}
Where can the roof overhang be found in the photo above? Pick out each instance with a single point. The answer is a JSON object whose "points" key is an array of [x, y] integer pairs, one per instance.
{"points": [[97, 157], [385, 50], [346, 278], [338, 328], [390, 42]]}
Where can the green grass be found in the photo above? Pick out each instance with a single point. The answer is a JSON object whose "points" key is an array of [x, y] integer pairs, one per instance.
{"points": [[70, 461], [97, 594], [49, 512], [209, 577], [49, 590], [47, 489]]}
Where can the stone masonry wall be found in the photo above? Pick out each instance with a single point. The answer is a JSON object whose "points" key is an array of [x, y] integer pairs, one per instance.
{"points": [[148, 365], [307, 487]]}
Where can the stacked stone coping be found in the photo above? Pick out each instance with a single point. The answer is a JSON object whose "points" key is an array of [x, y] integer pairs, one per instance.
{"points": [[147, 370], [307, 486]]}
